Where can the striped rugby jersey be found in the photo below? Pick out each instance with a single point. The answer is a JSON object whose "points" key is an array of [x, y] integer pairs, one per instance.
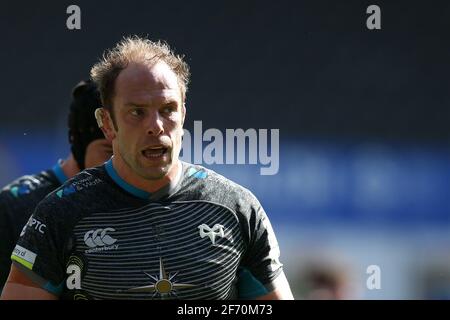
{"points": [[200, 237]]}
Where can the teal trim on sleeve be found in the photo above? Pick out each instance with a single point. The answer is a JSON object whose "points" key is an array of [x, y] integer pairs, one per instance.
{"points": [[59, 173], [56, 290], [123, 184], [248, 286], [36, 278]]}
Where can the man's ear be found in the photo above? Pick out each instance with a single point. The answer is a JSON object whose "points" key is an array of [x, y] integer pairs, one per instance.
{"points": [[105, 123], [183, 114]]}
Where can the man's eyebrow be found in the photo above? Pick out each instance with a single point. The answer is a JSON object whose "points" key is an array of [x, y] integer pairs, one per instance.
{"points": [[145, 105], [132, 104], [170, 101]]}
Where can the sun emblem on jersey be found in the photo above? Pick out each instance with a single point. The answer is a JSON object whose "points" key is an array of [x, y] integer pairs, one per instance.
{"points": [[163, 286]]}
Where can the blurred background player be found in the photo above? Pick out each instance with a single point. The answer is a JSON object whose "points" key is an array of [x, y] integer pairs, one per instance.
{"points": [[325, 282], [18, 199]]}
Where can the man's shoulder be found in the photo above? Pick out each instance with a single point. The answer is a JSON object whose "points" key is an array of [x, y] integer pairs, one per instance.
{"points": [[73, 199], [84, 186], [208, 185]]}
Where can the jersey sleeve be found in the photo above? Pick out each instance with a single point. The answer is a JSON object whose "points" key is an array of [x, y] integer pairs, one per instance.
{"points": [[6, 243], [42, 247], [260, 267]]}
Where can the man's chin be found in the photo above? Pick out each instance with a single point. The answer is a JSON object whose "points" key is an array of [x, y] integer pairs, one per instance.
{"points": [[154, 173], [154, 176]]}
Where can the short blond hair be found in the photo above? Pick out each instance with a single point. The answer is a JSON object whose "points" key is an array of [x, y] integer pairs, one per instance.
{"points": [[135, 50]]}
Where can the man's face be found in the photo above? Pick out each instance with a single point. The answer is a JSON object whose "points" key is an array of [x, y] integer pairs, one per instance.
{"points": [[149, 114], [97, 152]]}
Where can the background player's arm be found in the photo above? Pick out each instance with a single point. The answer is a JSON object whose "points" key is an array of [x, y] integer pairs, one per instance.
{"points": [[20, 287]]}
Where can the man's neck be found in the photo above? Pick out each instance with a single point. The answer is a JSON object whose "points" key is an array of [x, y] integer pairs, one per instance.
{"points": [[69, 166], [125, 172]]}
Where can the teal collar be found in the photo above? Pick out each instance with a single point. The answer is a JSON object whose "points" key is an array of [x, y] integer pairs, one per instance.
{"points": [[123, 184], [168, 189]]}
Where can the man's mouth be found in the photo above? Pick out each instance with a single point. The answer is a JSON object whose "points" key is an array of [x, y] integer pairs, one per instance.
{"points": [[154, 152]]}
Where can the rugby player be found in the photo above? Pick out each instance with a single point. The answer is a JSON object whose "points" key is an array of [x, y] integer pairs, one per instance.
{"points": [[146, 225], [88, 148]]}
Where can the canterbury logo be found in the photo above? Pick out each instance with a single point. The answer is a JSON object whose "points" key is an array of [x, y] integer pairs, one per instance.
{"points": [[212, 233], [99, 238]]}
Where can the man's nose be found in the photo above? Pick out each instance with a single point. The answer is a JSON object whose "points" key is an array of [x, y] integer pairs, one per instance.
{"points": [[154, 124]]}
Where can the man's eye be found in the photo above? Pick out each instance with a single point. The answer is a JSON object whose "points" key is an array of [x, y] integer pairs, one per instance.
{"points": [[137, 112], [168, 109]]}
